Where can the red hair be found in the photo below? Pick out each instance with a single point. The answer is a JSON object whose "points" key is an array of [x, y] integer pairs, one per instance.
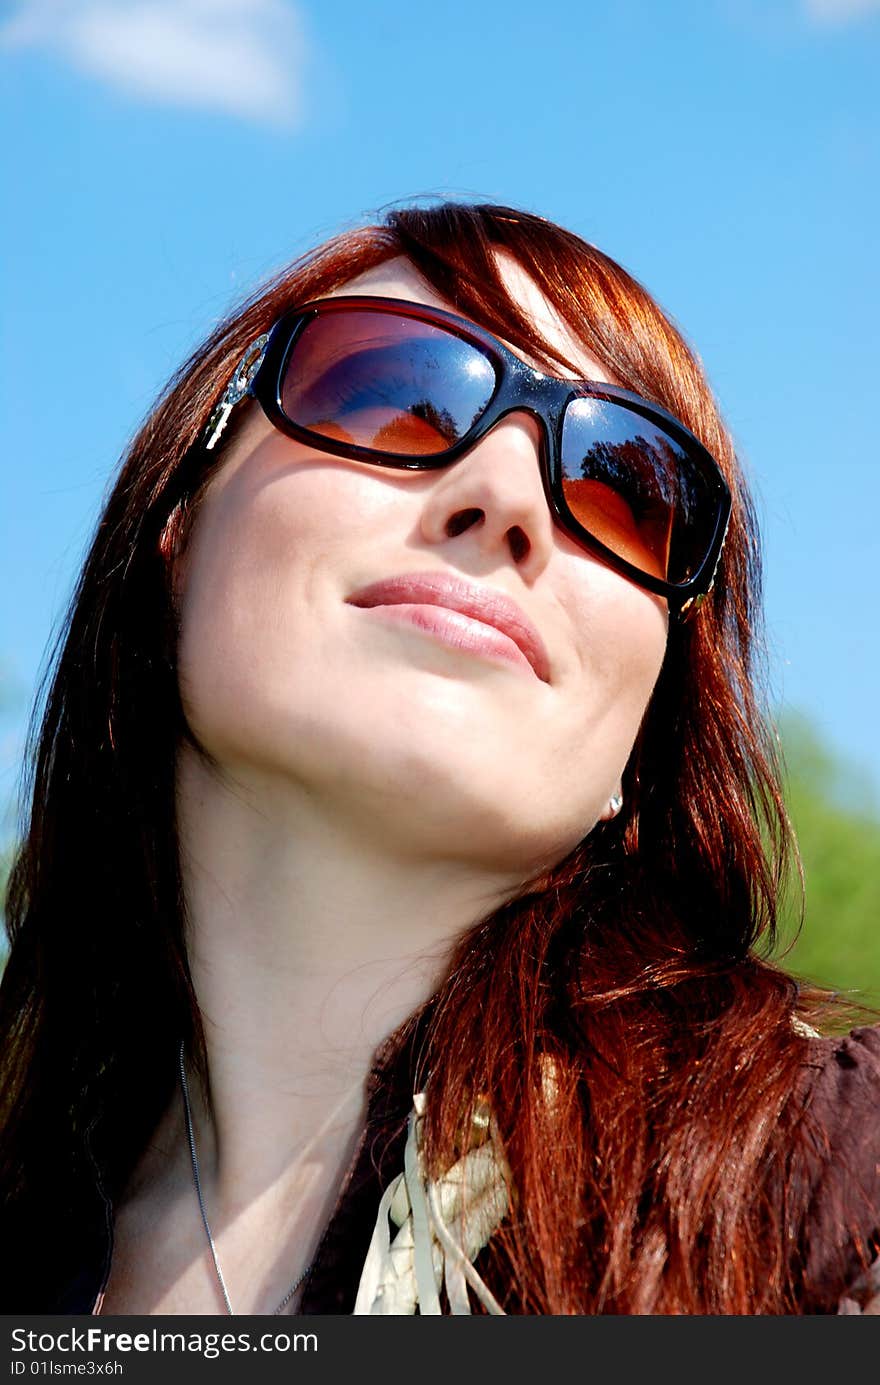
{"points": [[639, 1058]]}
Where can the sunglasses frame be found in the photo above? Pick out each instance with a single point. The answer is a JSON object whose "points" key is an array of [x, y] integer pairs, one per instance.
{"points": [[519, 386]]}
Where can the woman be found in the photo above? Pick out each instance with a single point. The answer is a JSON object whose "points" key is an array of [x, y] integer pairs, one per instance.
{"points": [[404, 825]]}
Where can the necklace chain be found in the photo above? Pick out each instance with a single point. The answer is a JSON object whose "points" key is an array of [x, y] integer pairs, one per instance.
{"points": [[198, 1182]]}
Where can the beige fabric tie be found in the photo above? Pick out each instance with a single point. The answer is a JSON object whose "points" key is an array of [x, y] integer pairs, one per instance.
{"points": [[408, 1272]]}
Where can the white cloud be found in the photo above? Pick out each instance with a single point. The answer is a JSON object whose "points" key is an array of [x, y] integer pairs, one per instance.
{"points": [[242, 57], [839, 11]]}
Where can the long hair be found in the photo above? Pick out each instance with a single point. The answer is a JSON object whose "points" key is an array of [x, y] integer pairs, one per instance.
{"points": [[639, 1058]]}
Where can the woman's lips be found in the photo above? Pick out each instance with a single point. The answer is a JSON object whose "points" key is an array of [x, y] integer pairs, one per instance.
{"points": [[461, 614]]}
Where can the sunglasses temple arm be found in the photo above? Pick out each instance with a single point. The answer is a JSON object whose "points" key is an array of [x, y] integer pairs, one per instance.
{"points": [[693, 603], [239, 386]]}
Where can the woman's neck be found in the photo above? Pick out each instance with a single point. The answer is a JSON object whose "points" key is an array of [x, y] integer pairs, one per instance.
{"points": [[308, 946], [312, 934]]}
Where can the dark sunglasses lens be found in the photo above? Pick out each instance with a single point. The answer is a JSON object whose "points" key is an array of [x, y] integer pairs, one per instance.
{"points": [[391, 384], [635, 488]]}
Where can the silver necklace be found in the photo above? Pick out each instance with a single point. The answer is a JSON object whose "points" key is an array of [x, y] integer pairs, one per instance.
{"points": [[198, 1182]]}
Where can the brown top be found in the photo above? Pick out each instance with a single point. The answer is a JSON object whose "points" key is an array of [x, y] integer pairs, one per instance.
{"points": [[843, 1227], [842, 1233]]}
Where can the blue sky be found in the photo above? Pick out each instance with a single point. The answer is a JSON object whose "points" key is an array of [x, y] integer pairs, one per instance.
{"points": [[166, 155]]}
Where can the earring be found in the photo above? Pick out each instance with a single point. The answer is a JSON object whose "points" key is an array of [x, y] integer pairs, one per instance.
{"points": [[615, 803]]}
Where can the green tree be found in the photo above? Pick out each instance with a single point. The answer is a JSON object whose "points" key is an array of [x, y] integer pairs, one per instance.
{"points": [[833, 809]]}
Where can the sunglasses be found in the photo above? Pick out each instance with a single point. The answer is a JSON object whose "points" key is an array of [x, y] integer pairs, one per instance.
{"points": [[403, 385]]}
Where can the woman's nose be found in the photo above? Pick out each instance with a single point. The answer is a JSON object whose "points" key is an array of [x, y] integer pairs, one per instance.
{"points": [[495, 492]]}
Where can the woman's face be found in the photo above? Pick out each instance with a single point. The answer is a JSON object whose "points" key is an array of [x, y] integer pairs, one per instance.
{"points": [[426, 731]]}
